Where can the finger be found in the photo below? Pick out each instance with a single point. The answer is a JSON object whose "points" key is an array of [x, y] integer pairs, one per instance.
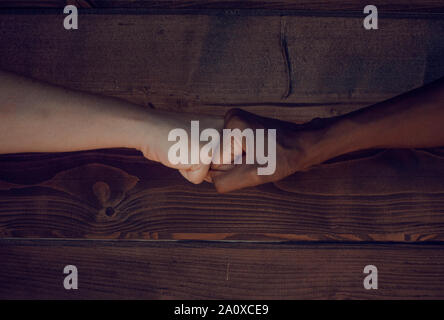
{"points": [[214, 173], [208, 178], [195, 174], [231, 150], [229, 166], [236, 114], [221, 167], [237, 178], [242, 120], [255, 120], [228, 151], [179, 166]]}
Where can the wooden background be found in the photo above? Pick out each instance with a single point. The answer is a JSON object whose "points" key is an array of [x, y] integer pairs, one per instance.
{"points": [[136, 229]]}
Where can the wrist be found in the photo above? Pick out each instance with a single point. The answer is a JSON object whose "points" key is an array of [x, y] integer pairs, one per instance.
{"points": [[138, 128], [323, 139]]}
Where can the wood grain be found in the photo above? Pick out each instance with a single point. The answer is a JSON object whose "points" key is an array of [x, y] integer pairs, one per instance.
{"points": [[171, 270], [208, 64], [381, 207], [331, 5], [394, 195]]}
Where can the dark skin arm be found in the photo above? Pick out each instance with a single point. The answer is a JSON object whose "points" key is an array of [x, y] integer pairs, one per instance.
{"points": [[412, 120]]}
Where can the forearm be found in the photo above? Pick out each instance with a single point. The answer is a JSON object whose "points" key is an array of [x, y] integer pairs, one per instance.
{"points": [[37, 117], [411, 120]]}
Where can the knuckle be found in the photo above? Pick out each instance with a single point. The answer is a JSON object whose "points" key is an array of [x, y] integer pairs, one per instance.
{"points": [[234, 117]]}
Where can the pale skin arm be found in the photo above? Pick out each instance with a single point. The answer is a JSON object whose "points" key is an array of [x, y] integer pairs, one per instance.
{"points": [[38, 117], [412, 120]]}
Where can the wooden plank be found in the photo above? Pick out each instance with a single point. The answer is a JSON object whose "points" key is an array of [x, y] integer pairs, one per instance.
{"points": [[331, 5], [395, 195], [32, 4], [210, 63], [169, 270]]}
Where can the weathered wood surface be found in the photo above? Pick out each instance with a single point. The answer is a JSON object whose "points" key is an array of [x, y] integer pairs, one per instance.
{"points": [[330, 5], [210, 63], [289, 67], [203, 64], [153, 270], [395, 195]]}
